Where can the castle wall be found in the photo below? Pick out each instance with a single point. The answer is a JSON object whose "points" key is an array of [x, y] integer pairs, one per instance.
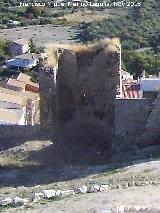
{"points": [[131, 114]]}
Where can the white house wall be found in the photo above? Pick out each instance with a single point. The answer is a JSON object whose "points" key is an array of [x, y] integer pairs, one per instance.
{"points": [[25, 49], [151, 85]]}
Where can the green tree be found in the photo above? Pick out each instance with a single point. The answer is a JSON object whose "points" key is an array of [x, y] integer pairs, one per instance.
{"points": [[35, 11], [32, 47]]}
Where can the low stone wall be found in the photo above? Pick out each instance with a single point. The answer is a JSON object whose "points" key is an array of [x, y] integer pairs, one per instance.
{"points": [[131, 114], [17, 131]]}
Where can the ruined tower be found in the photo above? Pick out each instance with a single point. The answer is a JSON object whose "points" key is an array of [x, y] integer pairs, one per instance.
{"points": [[82, 90]]}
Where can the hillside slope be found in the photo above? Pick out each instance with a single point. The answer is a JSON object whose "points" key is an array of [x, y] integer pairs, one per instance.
{"points": [[138, 29]]}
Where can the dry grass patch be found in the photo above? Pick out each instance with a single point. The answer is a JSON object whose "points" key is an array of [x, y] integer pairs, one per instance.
{"points": [[110, 45], [86, 16]]}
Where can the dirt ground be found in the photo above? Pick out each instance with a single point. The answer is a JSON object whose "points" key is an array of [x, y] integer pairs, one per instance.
{"points": [[42, 34], [100, 202], [32, 166]]}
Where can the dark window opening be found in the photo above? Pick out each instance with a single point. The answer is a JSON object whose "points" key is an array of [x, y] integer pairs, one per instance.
{"points": [[83, 99]]}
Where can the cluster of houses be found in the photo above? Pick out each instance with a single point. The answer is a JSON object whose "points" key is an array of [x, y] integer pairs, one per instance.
{"points": [[141, 88], [19, 101], [19, 96]]}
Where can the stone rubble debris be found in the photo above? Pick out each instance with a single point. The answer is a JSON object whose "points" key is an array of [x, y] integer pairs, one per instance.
{"points": [[103, 188], [67, 193], [105, 211], [20, 201], [130, 184], [118, 209], [94, 188], [80, 189], [135, 208], [14, 201], [7, 201], [37, 196], [58, 193], [49, 193]]}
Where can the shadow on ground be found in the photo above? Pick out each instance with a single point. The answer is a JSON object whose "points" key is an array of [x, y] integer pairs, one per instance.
{"points": [[66, 160]]}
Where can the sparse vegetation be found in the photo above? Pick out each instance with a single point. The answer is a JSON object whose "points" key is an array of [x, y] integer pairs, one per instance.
{"points": [[4, 50]]}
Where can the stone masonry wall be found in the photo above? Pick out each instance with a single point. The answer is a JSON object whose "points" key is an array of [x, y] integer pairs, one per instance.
{"points": [[132, 114]]}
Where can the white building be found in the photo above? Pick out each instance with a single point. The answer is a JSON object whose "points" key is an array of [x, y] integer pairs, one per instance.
{"points": [[19, 47], [11, 113], [150, 84]]}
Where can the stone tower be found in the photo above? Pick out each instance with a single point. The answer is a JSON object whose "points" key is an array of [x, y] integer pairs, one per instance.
{"points": [[82, 89]]}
